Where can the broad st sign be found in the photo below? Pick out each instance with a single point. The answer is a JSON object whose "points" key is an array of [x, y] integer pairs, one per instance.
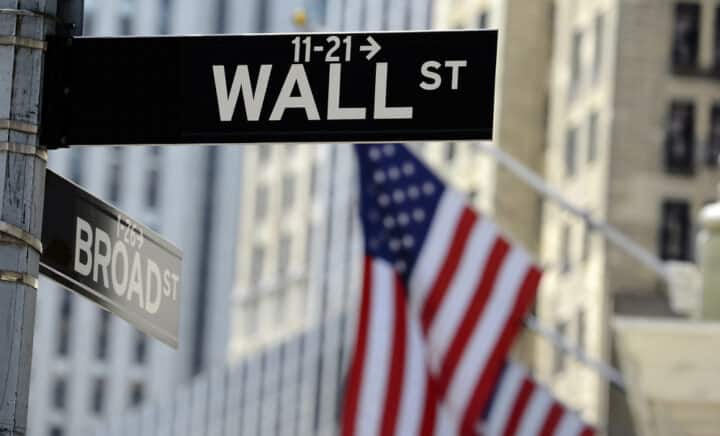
{"points": [[99, 252], [339, 87]]}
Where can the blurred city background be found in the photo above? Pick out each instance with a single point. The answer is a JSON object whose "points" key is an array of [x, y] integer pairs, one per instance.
{"points": [[616, 103]]}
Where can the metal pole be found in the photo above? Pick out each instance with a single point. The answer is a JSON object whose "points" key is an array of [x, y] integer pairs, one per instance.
{"points": [[23, 26]]}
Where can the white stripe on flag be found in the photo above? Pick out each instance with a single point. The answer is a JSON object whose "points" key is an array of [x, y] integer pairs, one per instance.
{"points": [[569, 425], [443, 424], [378, 351], [536, 412], [461, 290], [437, 242], [412, 402], [502, 406], [488, 330]]}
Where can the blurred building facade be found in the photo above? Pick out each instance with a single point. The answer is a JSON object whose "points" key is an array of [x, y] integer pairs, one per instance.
{"points": [[621, 103]]}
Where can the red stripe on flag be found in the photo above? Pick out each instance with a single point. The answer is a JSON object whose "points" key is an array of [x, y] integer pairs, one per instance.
{"points": [[430, 411], [356, 370], [453, 256], [488, 379], [397, 364], [588, 431], [518, 409], [552, 420], [467, 325]]}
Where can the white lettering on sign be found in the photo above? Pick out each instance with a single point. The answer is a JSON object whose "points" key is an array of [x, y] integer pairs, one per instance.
{"points": [[111, 265], [297, 79], [433, 79]]}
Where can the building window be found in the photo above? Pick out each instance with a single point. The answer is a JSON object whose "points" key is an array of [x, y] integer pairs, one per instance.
{"points": [[686, 36], [713, 149], [98, 396], [140, 354], [592, 151], [679, 138], [261, 202], [137, 394], [575, 63], [63, 343], [717, 42], [565, 263], [59, 393], [587, 242], [256, 265], [153, 182], [117, 157], [55, 431], [482, 20], [559, 353], [77, 161], [570, 152], [288, 192], [103, 334], [264, 151], [599, 46], [313, 178], [450, 151], [127, 9], [165, 14], [283, 256], [581, 330], [675, 230]]}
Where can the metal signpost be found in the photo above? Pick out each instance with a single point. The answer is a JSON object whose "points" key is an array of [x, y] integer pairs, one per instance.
{"points": [[334, 87], [101, 253]]}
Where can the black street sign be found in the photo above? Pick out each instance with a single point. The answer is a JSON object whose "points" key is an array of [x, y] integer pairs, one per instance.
{"points": [[99, 252], [313, 87]]}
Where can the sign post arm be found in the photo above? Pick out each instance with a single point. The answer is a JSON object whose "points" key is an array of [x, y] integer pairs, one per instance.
{"points": [[22, 173]]}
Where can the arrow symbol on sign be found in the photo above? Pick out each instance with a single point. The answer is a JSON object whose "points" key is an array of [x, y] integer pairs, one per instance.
{"points": [[372, 49]]}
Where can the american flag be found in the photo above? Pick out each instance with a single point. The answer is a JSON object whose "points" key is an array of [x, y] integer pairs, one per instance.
{"points": [[443, 297]]}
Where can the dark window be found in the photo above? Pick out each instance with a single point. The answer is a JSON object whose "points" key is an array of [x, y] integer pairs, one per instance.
{"points": [[686, 36], [137, 394], [126, 24], [288, 191], [592, 137], [450, 151], [575, 63], [101, 346], [153, 182], [675, 230], [140, 348], [117, 156], [599, 46], [77, 161], [679, 138], [283, 256], [581, 330], [570, 152], [256, 268], [59, 393], [165, 15], [565, 239], [56, 431], [261, 202], [63, 343], [482, 20], [98, 396], [559, 353], [713, 148]]}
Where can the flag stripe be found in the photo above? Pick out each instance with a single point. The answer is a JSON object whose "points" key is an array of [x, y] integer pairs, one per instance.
{"points": [[477, 304], [459, 296], [537, 409], [356, 369], [570, 425], [552, 420], [377, 355], [519, 407], [512, 324], [430, 409], [415, 386], [509, 385], [588, 431], [397, 368], [427, 267], [452, 260]]}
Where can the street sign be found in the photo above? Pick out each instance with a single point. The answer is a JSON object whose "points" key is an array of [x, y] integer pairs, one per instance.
{"points": [[313, 87], [99, 252]]}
